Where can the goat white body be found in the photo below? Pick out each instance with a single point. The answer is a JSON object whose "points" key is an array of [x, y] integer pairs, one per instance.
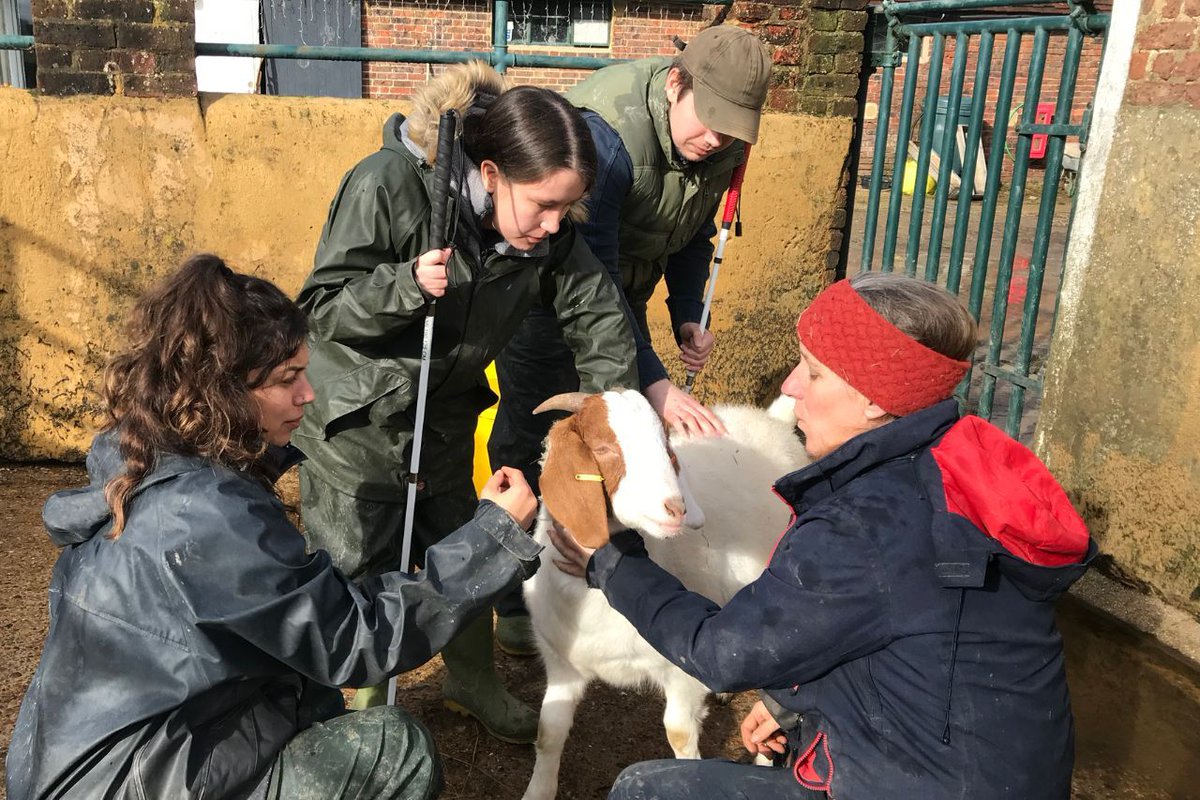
{"points": [[581, 637]]}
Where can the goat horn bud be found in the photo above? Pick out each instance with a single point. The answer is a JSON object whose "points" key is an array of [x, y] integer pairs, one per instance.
{"points": [[569, 401]]}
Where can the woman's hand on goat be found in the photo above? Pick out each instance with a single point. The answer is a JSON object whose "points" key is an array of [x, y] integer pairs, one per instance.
{"points": [[575, 557], [508, 489], [760, 732], [681, 411]]}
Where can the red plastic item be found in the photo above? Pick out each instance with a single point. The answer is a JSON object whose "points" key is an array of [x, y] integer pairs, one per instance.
{"points": [[1043, 116]]}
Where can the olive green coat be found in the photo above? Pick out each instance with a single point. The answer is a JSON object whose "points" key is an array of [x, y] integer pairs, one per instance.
{"points": [[672, 199], [367, 316]]}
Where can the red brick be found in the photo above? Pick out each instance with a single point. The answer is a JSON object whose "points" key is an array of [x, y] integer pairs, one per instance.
{"points": [[1188, 67], [751, 12], [1167, 36], [778, 34], [790, 13], [1170, 9], [787, 56], [1137, 65], [1163, 65], [1191, 8]]}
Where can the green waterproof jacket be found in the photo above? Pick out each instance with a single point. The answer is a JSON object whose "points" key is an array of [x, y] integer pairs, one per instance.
{"points": [[367, 316], [672, 200]]}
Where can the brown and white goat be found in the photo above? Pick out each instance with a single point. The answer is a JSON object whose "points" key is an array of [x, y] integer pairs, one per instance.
{"points": [[610, 467]]}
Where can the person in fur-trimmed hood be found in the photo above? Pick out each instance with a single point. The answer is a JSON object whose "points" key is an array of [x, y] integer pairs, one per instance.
{"points": [[522, 166], [903, 631]]}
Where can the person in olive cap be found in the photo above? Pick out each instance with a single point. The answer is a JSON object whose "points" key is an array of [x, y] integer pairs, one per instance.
{"points": [[668, 135]]}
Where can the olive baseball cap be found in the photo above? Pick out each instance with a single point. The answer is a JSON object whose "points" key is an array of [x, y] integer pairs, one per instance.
{"points": [[730, 70]]}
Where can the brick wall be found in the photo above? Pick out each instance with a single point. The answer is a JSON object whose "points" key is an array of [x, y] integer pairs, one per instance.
{"points": [[816, 48], [639, 30], [1085, 90], [142, 48], [1165, 67]]}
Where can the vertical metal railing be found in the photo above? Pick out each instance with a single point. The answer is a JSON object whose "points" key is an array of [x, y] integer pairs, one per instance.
{"points": [[1007, 358]]}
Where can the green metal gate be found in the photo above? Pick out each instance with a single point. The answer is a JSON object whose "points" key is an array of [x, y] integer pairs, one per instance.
{"points": [[923, 27]]}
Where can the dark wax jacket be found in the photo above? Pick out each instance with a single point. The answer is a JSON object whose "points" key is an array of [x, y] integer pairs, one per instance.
{"points": [[184, 655], [367, 314], [907, 615]]}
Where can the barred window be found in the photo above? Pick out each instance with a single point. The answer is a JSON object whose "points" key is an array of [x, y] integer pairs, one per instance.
{"points": [[581, 23]]}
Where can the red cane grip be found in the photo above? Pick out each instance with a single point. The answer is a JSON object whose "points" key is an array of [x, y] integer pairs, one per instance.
{"points": [[735, 189]]}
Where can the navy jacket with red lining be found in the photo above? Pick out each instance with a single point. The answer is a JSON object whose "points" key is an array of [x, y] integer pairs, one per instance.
{"points": [[907, 615]]}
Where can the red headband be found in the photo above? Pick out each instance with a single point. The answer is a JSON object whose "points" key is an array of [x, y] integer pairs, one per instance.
{"points": [[895, 372]]}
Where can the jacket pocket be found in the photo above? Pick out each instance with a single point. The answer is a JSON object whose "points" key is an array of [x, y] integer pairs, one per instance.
{"points": [[813, 766], [359, 388]]}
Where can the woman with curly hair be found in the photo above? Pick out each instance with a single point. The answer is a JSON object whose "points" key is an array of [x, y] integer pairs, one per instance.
{"points": [[194, 647]]}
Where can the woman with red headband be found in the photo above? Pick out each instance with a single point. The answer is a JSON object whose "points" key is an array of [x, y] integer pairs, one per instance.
{"points": [[903, 632]]}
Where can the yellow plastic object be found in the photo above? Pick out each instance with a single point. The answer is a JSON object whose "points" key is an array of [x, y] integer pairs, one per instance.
{"points": [[483, 430], [909, 182]]}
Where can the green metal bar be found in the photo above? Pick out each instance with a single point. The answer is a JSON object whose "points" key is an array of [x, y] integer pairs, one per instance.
{"points": [[937, 222], [886, 79], [966, 189], [893, 8], [16, 42], [917, 209], [991, 190], [1012, 224], [382, 54], [1024, 381], [911, 68], [1053, 129], [1096, 22], [1045, 221], [500, 34]]}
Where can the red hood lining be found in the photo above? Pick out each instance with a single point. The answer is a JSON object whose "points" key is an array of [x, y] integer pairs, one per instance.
{"points": [[1007, 492]]}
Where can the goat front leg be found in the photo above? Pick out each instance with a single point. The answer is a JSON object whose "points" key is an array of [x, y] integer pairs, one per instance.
{"points": [[684, 714], [564, 690]]}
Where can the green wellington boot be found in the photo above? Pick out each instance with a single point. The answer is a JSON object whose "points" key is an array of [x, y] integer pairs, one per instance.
{"points": [[515, 635], [473, 688]]}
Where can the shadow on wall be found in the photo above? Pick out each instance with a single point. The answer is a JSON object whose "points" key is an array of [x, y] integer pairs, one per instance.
{"points": [[55, 390]]}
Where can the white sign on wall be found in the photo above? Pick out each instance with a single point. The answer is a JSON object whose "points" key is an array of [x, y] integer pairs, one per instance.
{"points": [[232, 22]]}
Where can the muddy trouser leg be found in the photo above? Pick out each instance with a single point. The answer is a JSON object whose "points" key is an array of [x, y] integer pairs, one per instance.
{"points": [[378, 754], [534, 365], [711, 779]]}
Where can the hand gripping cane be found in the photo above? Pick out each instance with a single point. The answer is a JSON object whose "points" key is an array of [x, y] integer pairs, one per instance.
{"points": [[731, 203], [437, 237]]}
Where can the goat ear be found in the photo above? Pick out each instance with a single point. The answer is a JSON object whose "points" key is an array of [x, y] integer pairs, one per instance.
{"points": [[577, 505]]}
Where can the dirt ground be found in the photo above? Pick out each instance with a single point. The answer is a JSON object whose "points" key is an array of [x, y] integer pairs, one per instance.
{"points": [[613, 728]]}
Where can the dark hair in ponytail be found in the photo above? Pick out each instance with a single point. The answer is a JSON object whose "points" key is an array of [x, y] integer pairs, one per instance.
{"points": [[199, 343], [530, 132]]}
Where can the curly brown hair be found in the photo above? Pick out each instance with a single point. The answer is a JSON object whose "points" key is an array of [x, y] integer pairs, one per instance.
{"points": [[200, 343]]}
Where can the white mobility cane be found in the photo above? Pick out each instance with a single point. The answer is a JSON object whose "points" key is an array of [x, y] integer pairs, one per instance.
{"points": [[731, 203], [437, 236]]}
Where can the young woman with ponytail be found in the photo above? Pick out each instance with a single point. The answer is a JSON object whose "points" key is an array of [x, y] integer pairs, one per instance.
{"points": [[522, 164], [195, 648]]}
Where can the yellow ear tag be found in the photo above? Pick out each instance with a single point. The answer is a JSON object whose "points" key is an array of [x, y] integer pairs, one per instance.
{"points": [[588, 476]]}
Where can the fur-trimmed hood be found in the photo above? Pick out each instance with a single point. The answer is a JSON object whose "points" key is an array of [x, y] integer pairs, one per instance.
{"points": [[458, 88]]}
